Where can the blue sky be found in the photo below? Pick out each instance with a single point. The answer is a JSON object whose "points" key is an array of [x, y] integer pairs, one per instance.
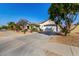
{"points": [[35, 13]]}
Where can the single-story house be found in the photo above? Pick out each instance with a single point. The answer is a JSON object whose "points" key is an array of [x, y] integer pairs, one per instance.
{"points": [[48, 26]]}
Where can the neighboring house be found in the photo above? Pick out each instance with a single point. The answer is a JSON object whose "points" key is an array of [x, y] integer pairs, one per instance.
{"points": [[48, 26], [24, 24]]}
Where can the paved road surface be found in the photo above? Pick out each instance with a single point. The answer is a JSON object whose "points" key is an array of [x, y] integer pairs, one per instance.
{"points": [[25, 45], [35, 44]]}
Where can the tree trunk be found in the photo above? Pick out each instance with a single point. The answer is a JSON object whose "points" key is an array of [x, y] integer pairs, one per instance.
{"points": [[56, 28], [65, 33]]}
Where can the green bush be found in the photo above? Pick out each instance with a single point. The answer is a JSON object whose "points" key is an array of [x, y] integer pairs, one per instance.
{"points": [[3, 27]]}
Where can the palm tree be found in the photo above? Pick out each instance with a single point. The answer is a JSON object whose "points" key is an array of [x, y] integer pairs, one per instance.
{"points": [[64, 12]]}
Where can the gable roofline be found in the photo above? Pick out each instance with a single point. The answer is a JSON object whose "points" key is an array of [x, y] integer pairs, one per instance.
{"points": [[48, 22], [43, 21]]}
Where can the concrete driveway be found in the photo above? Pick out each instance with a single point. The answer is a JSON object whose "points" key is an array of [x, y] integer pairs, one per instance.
{"points": [[35, 44]]}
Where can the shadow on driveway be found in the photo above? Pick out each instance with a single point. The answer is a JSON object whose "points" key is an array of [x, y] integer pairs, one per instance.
{"points": [[50, 33]]}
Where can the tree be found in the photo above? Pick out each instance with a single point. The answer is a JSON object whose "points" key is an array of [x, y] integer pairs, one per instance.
{"points": [[3, 27], [64, 15], [11, 25], [0, 28], [22, 22]]}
